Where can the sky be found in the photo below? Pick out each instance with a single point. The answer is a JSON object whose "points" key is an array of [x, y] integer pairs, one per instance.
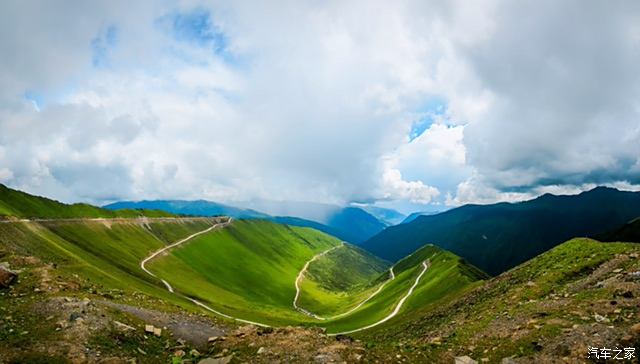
{"points": [[414, 105]]}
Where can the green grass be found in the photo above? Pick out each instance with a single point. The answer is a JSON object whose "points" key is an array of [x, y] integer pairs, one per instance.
{"points": [[105, 254], [446, 275], [340, 280], [519, 294], [246, 270], [23, 205]]}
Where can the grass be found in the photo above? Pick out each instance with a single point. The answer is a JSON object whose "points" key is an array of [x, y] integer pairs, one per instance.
{"points": [[23, 205], [479, 315], [247, 270], [447, 275], [105, 254]]}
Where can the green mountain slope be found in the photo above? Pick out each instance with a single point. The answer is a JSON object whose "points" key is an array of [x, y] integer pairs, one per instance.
{"points": [[350, 223], [500, 236], [246, 270], [550, 309], [23, 205], [447, 275]]}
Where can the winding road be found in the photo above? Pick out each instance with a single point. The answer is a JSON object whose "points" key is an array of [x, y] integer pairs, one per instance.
{"points": [[170, 289], [299, 278], [425, 266]]}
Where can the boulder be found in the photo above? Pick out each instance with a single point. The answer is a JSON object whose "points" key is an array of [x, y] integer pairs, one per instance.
{"points": [[464, 360], [6, 277], [223, 360]]}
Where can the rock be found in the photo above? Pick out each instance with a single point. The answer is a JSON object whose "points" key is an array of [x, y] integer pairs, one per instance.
{"points": [[74, 316], [262, 350], [344, 338], [122, 326], [617, 270], [321, 359], [157, 331], [148, 329], [213, 339], [507, 361], [635, 330], [600, 318], [265, 330], [464, 360], [245, 330], [222, 360], [6, 277]]}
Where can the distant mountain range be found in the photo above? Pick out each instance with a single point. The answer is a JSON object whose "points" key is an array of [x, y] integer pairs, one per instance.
{"points": [[350, 224], [500, 236], [415, 215]]}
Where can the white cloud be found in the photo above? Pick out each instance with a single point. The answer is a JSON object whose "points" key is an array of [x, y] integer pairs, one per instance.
{"points": [[414, 191], [314, 101]]}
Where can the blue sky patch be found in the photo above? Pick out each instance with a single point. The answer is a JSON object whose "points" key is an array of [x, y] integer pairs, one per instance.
{"points": [[431, 109], [196, 27], [101, 44], [35, 98]]}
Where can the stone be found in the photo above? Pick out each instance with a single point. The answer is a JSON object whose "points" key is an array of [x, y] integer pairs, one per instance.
{"points": [[600, 318], [222, 360], [6, 277], [74, 316], [635, 330], [157, 331], [148, 329], [464, 360], [262, 350], [122, 326], [321, 359]]}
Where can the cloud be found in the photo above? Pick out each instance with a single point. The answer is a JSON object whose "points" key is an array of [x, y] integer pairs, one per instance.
{"points": [[403, 102], [413, 191]]}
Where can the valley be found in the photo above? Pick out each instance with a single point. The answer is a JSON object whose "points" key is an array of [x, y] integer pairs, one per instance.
{"points": [[255, 281]]}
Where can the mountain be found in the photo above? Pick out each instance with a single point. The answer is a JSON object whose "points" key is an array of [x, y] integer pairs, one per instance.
{"points": [[244, 269], [387, 216], [415, 215], [551, 309], [18, 204], [628, 232], [193, 208], [500, 236], [349, 224], [352, 224]]}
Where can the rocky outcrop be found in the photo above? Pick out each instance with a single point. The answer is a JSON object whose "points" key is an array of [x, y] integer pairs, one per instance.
{"points": [[6, 277]]}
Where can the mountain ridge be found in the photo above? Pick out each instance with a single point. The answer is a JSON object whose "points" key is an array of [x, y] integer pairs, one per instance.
{"points": [[499, 236]]}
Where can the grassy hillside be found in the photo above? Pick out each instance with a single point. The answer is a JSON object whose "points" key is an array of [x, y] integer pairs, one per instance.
{"points": [[447, 276], [104, 252], [246, 270], [23, 205], [339, 280], [500, 236], [581, 293]]}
